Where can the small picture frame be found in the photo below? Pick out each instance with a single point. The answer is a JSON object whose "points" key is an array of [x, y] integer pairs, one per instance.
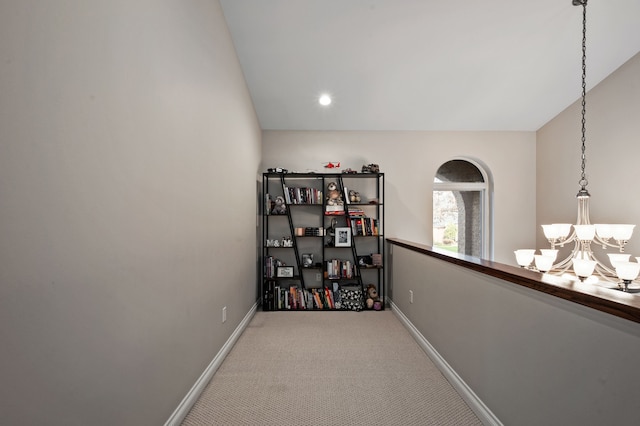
{"points": [[307, 260], [284, 272], [365, 261], [343, 237]]}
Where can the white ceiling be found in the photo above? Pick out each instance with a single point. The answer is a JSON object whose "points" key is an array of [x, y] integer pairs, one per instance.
{"points": [[424, 64]]}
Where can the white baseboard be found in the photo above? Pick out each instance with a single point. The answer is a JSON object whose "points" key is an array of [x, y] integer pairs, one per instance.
{"points": [[477, 406], [192, 396]]}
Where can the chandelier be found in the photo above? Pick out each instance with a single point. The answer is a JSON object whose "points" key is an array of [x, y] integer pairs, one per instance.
{"points": [[582, 263]]}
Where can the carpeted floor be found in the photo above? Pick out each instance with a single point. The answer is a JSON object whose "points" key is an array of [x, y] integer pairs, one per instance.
{"points": [[328, 368]]}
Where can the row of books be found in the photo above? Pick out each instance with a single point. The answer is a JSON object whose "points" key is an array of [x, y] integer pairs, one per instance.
{"points": [[292, 297], [271, 265], [338, 268], [335, 268], [364, 226], [294, 195]]}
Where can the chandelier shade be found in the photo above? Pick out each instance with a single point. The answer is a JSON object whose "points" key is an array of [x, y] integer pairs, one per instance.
{"points": [[583, 268]]}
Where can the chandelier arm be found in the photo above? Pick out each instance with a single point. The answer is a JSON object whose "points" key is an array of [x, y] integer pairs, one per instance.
{"points": [[608, 281], [604, 271], [606, 243], [561, 243], [566, 263], [563, 265], [573, 237]]}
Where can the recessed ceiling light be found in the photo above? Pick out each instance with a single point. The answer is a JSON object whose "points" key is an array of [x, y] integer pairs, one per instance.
{"points": [[324, 100]]}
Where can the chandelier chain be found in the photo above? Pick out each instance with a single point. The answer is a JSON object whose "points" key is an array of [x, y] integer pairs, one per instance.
{"points": [[583, 177]]}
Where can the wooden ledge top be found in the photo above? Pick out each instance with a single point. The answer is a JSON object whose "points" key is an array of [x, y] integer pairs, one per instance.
{"points": [[611, 301]]}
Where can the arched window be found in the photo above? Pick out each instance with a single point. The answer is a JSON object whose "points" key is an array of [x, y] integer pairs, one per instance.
{"points": [[461, 216]]}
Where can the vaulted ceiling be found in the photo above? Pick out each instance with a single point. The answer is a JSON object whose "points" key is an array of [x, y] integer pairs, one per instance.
{"points": [[424, 64]]}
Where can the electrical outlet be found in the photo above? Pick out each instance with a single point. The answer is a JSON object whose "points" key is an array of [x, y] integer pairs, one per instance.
{"points": [[224, 314], [410, 296], [318, 277]]}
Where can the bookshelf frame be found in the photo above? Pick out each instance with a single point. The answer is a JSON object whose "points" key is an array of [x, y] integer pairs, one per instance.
{"points": [[309, 222]]}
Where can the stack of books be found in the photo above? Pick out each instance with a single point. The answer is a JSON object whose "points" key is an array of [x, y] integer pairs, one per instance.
{"points": [[334, 210]]}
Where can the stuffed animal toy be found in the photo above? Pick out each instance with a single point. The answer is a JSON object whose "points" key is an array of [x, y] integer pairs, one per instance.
{"points": [[372, 297], [279, 206], [354, 196], [334, 197]]}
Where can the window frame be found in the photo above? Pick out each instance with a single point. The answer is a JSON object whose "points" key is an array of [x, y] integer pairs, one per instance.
{"points": [[486, 208]]}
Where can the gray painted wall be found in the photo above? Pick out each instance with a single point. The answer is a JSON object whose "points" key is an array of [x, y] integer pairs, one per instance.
{"points": [[124, 213], [531, 358], [410, 161]]}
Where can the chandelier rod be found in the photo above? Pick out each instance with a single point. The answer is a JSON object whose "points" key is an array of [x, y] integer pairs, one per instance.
{"points": [[583, 177]]}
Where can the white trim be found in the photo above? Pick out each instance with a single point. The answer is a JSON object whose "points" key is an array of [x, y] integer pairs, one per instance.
{"points": [[459, 186], [192, 396], [477, 406]]}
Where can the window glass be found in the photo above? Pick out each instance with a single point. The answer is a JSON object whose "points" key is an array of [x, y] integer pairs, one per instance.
{"points": [[460, 209], [458, 171]]}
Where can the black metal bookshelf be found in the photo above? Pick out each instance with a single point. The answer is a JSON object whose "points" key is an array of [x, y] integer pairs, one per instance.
{"points": [[317, 249]]}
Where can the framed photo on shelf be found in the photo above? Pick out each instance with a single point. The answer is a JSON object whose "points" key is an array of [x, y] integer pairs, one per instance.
{"points": [[365, 261], [307, 260], [343, 237], [284, 272]]}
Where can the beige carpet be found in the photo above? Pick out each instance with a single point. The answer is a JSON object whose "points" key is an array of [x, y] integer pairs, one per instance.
{"points": [[328, 368]]}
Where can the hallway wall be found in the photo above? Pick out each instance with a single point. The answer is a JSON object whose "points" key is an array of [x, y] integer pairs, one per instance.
{"points": [[123, 207], [410, 161], [530, 357]]}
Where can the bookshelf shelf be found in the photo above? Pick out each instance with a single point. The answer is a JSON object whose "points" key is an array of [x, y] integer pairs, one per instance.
{"points": [[328, 239]]}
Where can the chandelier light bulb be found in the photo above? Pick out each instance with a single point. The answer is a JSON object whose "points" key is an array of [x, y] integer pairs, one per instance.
{"points": [[556, 231], [618, 257], [524, 257], [585, 232], [550, 231], [552, 253], [543, 263], [583, 268], [622, 232], [604, 230], [563, 229], [627, 272]]}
